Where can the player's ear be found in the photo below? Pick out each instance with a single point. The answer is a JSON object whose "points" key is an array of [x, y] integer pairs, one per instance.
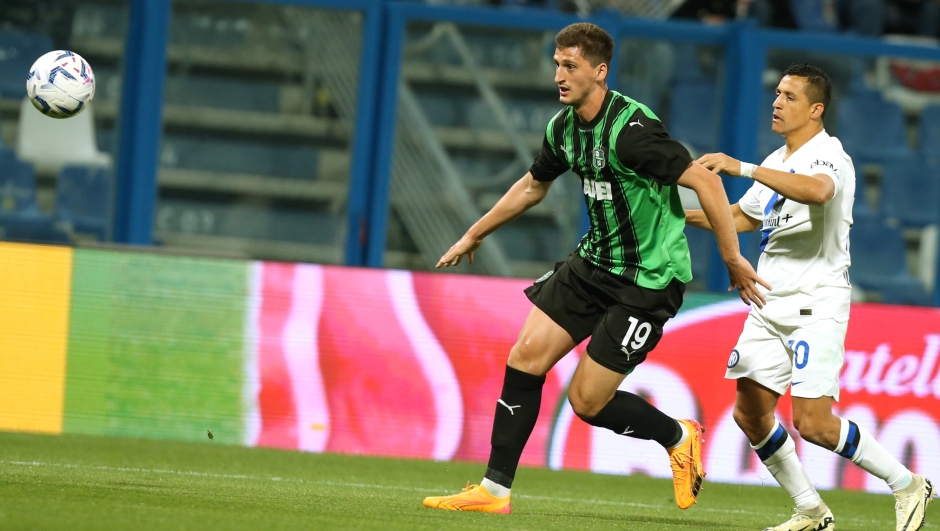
{"points": [[816, 111], [602, 70]]}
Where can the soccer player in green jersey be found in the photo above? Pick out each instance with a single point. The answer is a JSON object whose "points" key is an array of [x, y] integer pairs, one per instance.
{"points": [[624, 281]]}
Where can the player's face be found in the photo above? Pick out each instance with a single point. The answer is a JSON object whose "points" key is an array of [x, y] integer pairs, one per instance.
{"points": [[575, 76], [792, 108]]}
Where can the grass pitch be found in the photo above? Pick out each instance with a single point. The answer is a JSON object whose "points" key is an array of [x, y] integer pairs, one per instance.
{"points": [[87, 482]]}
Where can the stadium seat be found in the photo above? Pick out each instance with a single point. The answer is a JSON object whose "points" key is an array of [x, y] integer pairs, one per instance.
{"points": [[910, 192], [227, 93], [20, 218], [686, 65], [18, 51], [871, 129], [523, 115], [519, 242], [239, 156], [440, 109], [930, 132], [879, 261], [861, 212], [694, 115], [83, 201], [51, 144], [701, 244], [906, 291]]}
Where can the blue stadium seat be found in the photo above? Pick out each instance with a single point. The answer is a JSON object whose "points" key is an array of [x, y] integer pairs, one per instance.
{"points": [[906, 291], [879, 258], [519, 243], [694, 115], [686, 65], [910, 192], [18, 51], [701, 245], [523, 115], [226, 93], [17, 185], [440, 109], [83, 200], [861, 212], [871, 129], [20, 218], [238, 156], [930, 132]]}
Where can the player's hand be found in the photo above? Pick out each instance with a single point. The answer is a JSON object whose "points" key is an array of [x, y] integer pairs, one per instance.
{"points": [[745, 280], [465, 246], [721, 163]]}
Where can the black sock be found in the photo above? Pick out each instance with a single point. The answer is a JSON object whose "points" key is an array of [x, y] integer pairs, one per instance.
{"points": [[516, 413], [628, 414]]}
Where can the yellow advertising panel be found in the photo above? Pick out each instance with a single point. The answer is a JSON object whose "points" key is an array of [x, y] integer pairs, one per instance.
{"points": [[35, 287]]}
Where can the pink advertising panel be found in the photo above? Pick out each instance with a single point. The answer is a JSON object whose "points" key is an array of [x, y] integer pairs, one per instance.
{"points": [[410, 364]]}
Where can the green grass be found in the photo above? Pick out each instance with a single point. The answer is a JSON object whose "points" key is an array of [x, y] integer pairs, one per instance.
{"points": [[95, 482]]}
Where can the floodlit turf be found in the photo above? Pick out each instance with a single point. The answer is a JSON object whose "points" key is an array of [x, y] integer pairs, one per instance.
{"points": [[87, 482]]}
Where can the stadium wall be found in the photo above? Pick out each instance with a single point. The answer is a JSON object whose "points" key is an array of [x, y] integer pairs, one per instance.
{"points": [[380, 362]]}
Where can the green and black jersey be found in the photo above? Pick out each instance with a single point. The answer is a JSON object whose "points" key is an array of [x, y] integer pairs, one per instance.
{"points": [[628, 167]]}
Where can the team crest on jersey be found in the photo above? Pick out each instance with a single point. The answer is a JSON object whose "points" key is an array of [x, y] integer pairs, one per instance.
{"points": [[599, 160]]}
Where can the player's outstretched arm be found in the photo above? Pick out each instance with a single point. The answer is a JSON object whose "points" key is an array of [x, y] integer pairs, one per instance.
{"points": [[711, 194], [807, 189], [524, 194], [742, 222]]}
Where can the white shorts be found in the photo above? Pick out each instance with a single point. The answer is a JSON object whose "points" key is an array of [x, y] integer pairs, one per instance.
{"points": [[810, 356]]}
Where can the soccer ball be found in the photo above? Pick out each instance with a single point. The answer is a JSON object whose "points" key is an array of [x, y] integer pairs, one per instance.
{"points": [[60, 84]]}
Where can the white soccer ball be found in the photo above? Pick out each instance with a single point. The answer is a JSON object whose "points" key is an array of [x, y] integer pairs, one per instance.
{"points": [[60, 84]]}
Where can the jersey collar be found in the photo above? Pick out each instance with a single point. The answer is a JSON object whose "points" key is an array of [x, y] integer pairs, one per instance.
{"points": [[820, 137], [587, 126]]}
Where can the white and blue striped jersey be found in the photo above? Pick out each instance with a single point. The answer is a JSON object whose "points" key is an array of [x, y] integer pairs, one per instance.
{"points": [[805, 248]]}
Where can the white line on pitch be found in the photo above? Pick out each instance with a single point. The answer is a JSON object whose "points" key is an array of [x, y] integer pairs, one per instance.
{"points": [[374, 486]]}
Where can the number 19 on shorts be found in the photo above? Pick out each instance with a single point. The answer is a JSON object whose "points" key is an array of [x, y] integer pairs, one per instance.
{"points": [[638, 333]]}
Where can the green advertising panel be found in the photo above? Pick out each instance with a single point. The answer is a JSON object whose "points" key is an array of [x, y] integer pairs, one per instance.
{"points": [[156, 346]]}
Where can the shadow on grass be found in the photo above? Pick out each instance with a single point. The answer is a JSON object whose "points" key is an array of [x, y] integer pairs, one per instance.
{"points": [[652, 521]]}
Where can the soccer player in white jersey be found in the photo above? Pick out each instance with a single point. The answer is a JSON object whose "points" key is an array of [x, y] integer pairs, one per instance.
{"points": [[802, 202]]}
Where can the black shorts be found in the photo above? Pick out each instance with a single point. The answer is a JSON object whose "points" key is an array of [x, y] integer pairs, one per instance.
{"points": [[624, 320]]}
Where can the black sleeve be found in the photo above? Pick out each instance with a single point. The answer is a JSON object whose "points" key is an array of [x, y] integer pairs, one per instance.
{"points": [[645, 147], [547, 165]]}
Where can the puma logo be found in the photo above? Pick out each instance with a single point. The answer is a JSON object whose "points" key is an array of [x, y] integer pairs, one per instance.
{"points": [[627, 352], [510, 408], [631, 124], [627, 431]]}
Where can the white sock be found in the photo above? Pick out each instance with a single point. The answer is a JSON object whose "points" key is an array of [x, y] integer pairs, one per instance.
{"points": [[495, 488], [862, 449], [778, 452], [683, 438]]}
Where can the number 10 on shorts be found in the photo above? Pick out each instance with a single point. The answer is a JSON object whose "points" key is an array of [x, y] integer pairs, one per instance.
{"points": [[801, 348], [642, 331]]}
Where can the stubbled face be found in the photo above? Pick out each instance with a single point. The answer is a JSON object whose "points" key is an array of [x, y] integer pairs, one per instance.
{"points": [[575, 76], [792, 108]]}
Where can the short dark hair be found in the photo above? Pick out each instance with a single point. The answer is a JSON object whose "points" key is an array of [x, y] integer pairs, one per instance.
{"points": [[597, 46], [818, 84]]}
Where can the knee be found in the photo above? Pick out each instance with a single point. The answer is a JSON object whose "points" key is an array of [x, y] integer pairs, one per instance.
{"points": [[812, 429], [584, 406], [527, 355]]}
